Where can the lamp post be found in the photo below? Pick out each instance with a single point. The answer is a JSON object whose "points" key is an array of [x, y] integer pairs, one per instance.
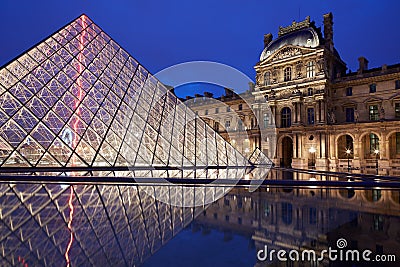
{"points": [[312, 151], [348, 152], [376, 151]]}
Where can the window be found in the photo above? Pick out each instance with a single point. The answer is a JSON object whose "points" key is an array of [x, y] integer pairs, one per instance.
{"points": [[286, 117], [373, 142], [216, 110], [227, 124], [397, 110], [240, 106], [267, 78], [349, 91], [266, 120], [310, 92], [228, 109], [313, 216], [397, 84], [349, 114], [310, 69], [310, 115], [287, 213], [397, 143], [372, 88], [197, 113], [373, 113], [240, 125], [378, 222], [216, 126], [349, 142], [206, 112], [287, 74]]}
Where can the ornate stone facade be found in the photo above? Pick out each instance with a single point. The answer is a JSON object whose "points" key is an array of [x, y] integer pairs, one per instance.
{"points": [[320, 111], [231, 116]]}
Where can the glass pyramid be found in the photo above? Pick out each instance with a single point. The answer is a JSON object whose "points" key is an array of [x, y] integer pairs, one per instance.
{"points": [[77, 99]]}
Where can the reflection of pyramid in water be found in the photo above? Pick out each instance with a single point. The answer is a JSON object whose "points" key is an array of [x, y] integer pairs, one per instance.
{"points": [[79, 99]]}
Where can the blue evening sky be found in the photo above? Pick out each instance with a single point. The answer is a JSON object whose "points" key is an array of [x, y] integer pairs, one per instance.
{"points": [[163, 33]]}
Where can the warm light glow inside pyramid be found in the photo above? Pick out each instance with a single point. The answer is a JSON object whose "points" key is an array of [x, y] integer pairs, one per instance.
{"points": [[79, 99]]}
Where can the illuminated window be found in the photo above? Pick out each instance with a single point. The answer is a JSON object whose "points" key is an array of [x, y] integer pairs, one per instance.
{"points": [[373, 113], [373, 142], [397, 110], [287, 74], [310, 69]]}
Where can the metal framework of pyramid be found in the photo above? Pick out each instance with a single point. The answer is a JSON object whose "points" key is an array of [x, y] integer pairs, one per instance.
{"points": [[77, 99]]}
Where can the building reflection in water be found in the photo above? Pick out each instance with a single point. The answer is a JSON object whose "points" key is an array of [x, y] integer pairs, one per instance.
{"points": [[310, 219]]}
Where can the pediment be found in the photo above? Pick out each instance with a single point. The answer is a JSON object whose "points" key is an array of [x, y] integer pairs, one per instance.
{"points": [[288, 51], [372, 99]]}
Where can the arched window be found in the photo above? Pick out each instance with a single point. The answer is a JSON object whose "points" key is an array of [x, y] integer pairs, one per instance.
{"points": [[310, 69], [287, 74], [267, 78], [286, 117], [373, 142]]}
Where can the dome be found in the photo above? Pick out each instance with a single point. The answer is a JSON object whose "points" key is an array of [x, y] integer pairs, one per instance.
{"points": [[307, 37]]}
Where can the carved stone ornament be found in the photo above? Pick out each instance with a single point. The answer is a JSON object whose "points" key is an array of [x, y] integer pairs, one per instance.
{"points": [[286, 53]]}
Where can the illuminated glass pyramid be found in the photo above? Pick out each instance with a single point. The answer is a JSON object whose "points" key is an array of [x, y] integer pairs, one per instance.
{"points": [[79, 99]]}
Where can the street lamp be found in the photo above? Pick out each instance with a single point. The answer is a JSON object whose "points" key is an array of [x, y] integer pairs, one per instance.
{"points": [[348, 152], [312, 150], [376, 151]]}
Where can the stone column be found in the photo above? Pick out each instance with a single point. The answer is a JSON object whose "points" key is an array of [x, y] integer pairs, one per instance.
{"points": [[299, 112], [317, 111], [323, 146], [323, 115]]}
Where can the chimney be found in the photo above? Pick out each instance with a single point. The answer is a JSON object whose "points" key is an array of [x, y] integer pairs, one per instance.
{"points": [[363, 64], [197, 95], [328, 31], [267, 39]]}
